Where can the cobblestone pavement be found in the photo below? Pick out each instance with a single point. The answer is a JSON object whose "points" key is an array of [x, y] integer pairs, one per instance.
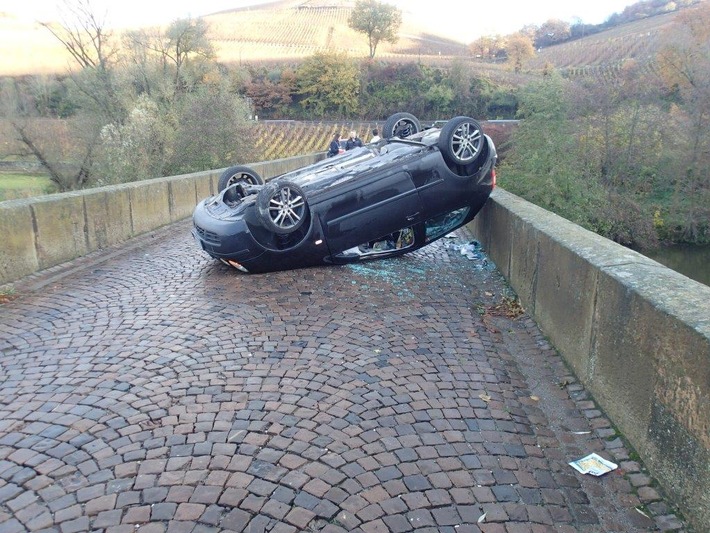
{"points": [[153, 389]]}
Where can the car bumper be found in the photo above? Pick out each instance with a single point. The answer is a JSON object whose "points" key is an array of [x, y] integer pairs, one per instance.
{"points": [[223, 239]]}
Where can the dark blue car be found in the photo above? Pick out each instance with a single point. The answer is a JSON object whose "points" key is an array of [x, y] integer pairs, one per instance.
{"points": [[381, 200]]}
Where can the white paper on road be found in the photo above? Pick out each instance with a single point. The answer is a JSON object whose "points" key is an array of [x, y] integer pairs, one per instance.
{"points": [[593, 464]]}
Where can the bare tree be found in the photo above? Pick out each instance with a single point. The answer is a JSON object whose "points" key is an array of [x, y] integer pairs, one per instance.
{"points": [[180, 51], [684, 68], [66, 176], [137, 53], [61, 147], [130, 105], [67, 148], [83, 34]]}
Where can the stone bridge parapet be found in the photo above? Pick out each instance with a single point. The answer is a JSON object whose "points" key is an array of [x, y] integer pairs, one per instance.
{"points": [[636, 333], [45, 231]]}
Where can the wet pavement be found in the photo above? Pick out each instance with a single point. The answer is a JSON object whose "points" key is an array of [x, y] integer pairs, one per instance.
{"points": [[153, 389]]}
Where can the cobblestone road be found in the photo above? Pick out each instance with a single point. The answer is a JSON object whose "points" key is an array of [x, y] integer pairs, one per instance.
{"points": [[155, 390]]}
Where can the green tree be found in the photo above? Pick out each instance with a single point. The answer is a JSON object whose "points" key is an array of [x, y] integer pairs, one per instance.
{"points": [[470, 90], [213, 130], [329, 85], [439, 98], [140, 48], [203, 129], [542, 165], [502, 103], [377, 20], [590, 154], [628, 117]]}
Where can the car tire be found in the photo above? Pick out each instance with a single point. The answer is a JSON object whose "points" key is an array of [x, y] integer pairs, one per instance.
{"points": [[238, 174], [401, 125], [282, 206], [461, 140]]}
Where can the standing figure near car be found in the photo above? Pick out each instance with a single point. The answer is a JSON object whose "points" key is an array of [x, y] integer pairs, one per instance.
{"points": [[353, 141], [375, 136], [334, 147]]}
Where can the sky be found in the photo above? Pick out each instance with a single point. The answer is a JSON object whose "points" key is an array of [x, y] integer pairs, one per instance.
{"points": [[463, 20]]}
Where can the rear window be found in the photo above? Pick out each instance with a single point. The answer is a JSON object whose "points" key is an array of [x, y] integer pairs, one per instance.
{"points": [[441, 225]]}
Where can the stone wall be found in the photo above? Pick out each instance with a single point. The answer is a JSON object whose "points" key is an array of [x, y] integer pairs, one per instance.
{"points": [[45, 231], [635, 333]]}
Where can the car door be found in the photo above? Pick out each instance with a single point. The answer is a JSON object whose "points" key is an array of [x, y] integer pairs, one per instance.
{"points": [[369, 206]]}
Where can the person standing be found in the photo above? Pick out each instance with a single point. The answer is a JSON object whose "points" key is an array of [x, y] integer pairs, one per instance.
{"points": [[375, 136], [353, 141], [334, 148]]}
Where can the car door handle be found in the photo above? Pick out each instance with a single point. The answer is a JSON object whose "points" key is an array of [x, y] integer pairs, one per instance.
{"points": [[412, 216]]}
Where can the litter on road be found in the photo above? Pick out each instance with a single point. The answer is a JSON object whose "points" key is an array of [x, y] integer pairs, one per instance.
{"points": [[593, 464]]}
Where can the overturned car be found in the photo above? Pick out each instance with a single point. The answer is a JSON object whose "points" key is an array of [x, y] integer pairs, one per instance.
{"points": [[378, 201]]}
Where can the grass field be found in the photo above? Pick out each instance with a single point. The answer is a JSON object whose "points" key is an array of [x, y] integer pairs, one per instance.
{"points": [[15, 185]]}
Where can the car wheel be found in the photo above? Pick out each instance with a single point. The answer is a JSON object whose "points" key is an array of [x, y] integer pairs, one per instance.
{"points": [[461, 140], [282, 206], [401, 125], [238, 174]]}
